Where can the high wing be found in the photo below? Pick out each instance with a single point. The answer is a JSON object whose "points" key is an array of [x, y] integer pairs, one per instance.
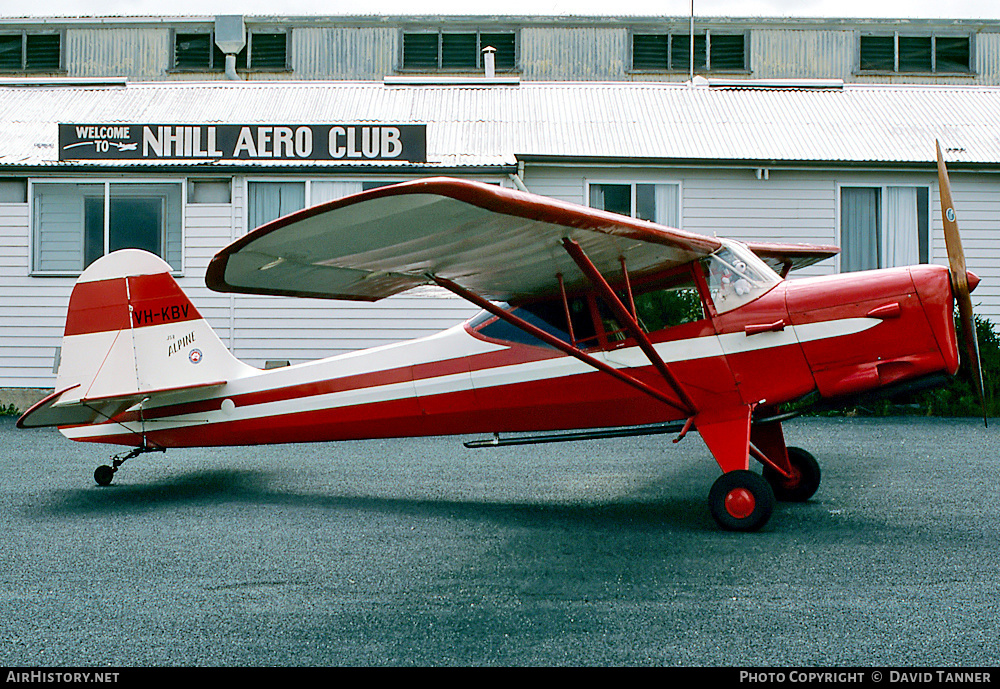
{"points": [[784, 258], [501, 244]]}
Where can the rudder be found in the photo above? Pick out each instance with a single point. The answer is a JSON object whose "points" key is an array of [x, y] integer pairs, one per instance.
{"points": [[131, 332]]}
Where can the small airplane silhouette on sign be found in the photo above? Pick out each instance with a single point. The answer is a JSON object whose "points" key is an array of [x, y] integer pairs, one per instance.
{"points": [[592, 325]]}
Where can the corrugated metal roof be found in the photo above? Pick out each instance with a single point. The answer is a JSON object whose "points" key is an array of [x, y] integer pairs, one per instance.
{"points": [[471, 125]]}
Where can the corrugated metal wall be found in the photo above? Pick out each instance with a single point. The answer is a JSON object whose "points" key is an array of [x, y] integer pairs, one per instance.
{"points": [[573, 54], [548, 52], [776, 54], [344, 53], [138, 53], [988, 58]]}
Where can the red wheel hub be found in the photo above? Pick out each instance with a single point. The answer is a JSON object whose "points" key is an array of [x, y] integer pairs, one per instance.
{"points": [[740, 503]]}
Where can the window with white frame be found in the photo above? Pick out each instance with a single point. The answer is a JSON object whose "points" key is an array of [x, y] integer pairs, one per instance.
{"points": [[883, 226], [269, 200], [659, 203], [75, 223]]}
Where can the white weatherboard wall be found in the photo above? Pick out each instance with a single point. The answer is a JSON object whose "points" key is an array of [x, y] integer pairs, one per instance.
{"points": [[257, 329], [803, 207]]}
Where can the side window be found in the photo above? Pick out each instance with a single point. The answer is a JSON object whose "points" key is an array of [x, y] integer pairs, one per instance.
{"points": [[669, 305], [882, 227], [457, 51], [735, 277], [31, 52], [271, 200], [659, 203], [659, 305], [199, 52], [926, 54], [74, 224], [549, 315]]}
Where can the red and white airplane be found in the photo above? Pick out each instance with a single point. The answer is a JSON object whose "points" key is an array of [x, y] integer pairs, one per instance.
{"points": [[593, 325]]}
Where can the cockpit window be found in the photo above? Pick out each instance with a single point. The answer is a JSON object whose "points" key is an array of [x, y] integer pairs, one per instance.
{"points": [[658, 305], [549, 316], [736, 277], [665, 306]]}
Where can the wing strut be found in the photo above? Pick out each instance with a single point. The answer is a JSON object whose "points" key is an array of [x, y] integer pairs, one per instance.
{"points": [[565, 347], [628, 320]]}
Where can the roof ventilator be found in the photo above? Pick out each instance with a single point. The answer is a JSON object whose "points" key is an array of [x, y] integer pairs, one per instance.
{"points": [[231, 37], [489, 61]]}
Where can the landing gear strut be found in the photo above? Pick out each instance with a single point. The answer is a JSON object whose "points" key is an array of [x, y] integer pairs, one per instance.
{"points": [[104, 473], [804, 479]]}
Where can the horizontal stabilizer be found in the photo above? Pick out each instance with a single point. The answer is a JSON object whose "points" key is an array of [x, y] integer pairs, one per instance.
{"points": [[56, 411]]}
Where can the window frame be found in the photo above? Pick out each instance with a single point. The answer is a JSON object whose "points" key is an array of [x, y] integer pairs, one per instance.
{"points": [[26, 35], [632, 182], [107, 183], [670, 36], [364, 182], [859, 70], [479, 66], [883, 217], [246, 54]]}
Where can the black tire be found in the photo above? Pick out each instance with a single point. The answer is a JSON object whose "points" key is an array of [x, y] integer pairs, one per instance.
{"points": [[741, 501], [805, 480], [103, 475]]}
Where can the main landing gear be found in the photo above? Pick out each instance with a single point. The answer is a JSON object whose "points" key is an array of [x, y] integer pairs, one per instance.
{"points": [[804, 479], [742, 500], [104, 474]]}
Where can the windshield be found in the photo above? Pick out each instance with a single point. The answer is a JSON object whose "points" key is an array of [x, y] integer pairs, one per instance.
{"points": [[736, 276]]}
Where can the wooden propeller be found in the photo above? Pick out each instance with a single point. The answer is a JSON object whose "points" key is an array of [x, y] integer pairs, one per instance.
{"points": [[960, 279]]}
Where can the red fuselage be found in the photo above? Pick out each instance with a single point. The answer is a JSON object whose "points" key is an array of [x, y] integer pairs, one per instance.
{"points": [[839, 335]]}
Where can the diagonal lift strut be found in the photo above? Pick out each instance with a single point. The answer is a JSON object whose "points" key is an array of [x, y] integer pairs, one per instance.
{"points": [[628, 320], [559, 344]]}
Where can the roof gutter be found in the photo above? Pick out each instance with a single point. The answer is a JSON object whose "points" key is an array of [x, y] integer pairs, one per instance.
{"points": [[754, 164]]}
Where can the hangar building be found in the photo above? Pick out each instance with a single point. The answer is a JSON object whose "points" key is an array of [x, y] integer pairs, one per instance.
{"points": [[181, 134]]}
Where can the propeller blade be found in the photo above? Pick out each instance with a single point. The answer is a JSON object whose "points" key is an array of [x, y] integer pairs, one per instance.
{"points": [[960, 279]]}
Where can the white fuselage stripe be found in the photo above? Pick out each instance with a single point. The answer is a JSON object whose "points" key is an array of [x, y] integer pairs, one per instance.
{"points": [[459, 340]]}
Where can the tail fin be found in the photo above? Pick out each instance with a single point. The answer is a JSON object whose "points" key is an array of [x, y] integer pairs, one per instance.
{"points": [[131, 333]]}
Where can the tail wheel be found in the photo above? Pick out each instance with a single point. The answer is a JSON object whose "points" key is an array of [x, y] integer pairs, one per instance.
{"points": [[804, 481], [104, 475], [741, 501]]}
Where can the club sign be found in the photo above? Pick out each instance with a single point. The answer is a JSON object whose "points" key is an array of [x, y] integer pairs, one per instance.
{"points": [[336, 142]]}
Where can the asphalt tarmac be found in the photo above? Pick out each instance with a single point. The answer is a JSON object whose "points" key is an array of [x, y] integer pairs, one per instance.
{"points": [[421, 552]]}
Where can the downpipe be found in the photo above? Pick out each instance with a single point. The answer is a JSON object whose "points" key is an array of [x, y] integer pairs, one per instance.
{"points": [[231, 68]]}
